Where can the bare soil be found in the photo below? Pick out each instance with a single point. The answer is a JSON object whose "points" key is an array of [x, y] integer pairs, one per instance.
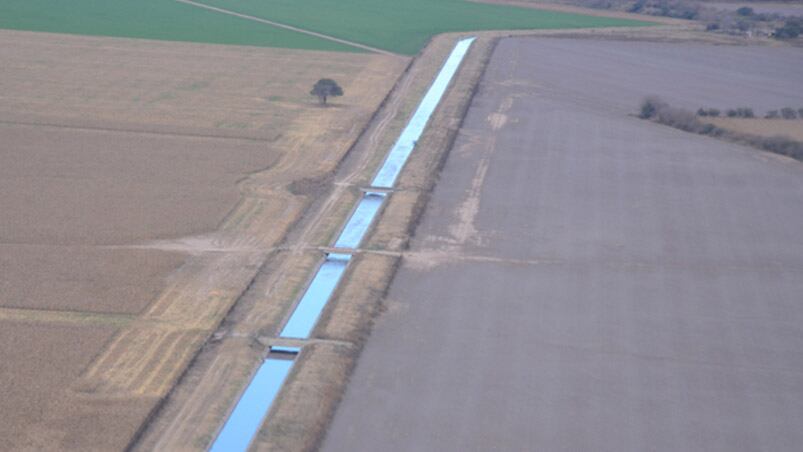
{"points": [[586, 280]]}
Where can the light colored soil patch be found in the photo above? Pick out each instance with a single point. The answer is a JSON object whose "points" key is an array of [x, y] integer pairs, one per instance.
{"points": [[792, 128]]}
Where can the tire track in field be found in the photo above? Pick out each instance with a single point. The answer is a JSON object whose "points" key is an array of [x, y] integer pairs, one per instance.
{"points": [[287, 27]]}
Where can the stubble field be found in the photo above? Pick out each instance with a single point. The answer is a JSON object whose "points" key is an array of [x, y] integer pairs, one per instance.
{"points": [[763, 127], [143, 183]]}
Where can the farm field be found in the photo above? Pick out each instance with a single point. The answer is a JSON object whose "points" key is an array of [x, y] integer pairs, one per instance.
{"points": [[165, 200], [143, 183], [402, 27], [151, 19], [586, 280], [405, 27], [762, 127]]}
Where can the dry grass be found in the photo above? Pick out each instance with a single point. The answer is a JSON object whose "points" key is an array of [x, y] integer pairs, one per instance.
{"points": [[116, 166], [199, 405], [364, 287], [301, 412], [792, 128]]}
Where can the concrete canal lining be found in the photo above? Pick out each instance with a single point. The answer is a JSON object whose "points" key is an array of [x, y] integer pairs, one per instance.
{"points": [[253, 406], [314, 300], [360, 220], [400, 152]]}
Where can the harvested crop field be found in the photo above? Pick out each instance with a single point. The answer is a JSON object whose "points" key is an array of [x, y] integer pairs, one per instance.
{"points": [[586, 280], [762, 127], [142, 185]]}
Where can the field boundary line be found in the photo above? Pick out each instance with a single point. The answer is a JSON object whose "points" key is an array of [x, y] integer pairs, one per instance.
{"points": [[123, 130], [65, 316], [287, 27]]}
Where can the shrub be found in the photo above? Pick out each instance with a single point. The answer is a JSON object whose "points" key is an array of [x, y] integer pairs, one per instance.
{"points": [[772, 114], [680, 119], [745, 11], [708, 129], [741, 112], [779, 145], [660, 112], [791, 29], [800, 112], [708, 112], [788, 113], [650, 107]]}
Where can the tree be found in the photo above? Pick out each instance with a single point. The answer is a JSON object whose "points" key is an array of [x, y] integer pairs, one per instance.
{"points": [[650, 107], [788, 113], [790, 30], [325, 88], [745, 11]]}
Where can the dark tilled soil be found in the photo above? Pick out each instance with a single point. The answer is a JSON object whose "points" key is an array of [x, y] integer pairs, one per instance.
{"points": [[585, 280]]}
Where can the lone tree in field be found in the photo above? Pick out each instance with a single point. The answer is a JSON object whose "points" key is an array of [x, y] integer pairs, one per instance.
{"points": [[325, 88]]}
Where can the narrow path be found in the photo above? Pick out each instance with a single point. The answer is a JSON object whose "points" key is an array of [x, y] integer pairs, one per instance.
{"points": [[287, 27]]}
